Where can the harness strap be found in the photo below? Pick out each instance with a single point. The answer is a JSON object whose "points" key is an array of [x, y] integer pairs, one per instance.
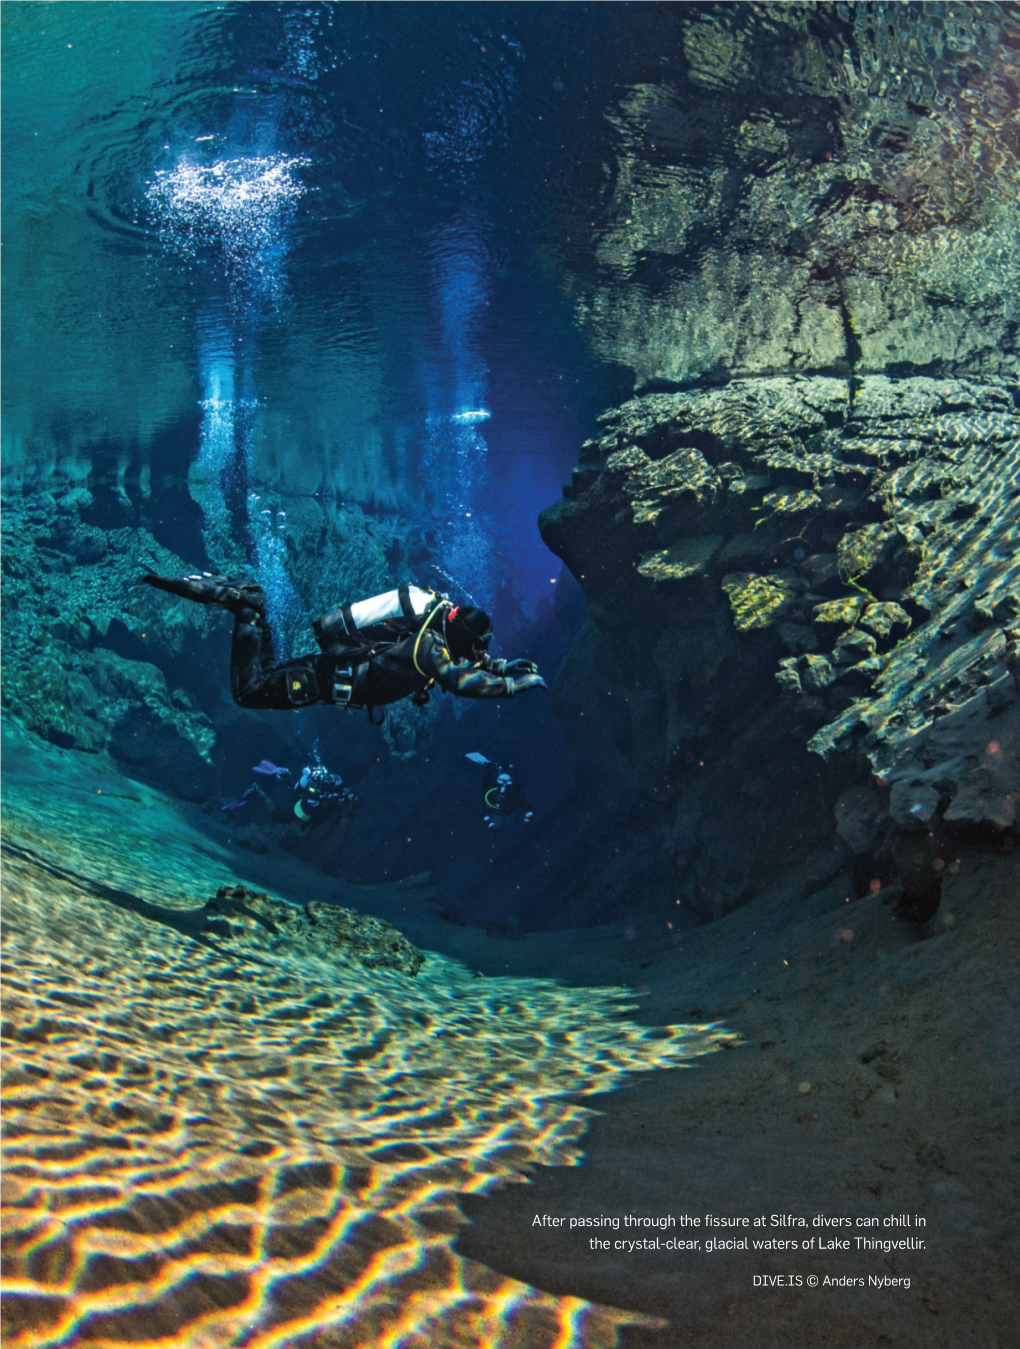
{"points": [[349, 684], [359, 682]]}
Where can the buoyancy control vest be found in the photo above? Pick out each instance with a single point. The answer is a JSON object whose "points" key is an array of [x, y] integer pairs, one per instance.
{"points": [[359, 636], [356, 632]]}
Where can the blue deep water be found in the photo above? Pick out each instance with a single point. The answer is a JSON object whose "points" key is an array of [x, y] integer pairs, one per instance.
{"points": [[336, 218]]}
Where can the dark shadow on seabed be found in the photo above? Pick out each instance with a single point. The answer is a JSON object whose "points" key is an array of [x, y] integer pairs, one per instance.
{"points": [[876, 1076]]}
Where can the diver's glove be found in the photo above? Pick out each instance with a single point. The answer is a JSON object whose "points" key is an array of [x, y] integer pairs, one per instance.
{"points": [[528, 681], [508, 667]]}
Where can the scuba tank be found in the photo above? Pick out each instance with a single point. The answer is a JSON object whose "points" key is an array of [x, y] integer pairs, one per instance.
{"points": [[360, 630]]}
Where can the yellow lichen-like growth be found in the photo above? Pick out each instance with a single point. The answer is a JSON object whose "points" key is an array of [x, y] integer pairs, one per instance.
{"points": [[847, 609], [685, 558], [859, 551], [791, 503], [757, 601], [882, 618]]}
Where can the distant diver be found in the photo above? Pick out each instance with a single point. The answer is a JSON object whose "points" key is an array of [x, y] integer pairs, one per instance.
{"points": [[373, 653], [322, 797], [504, 798], [270, 770]]}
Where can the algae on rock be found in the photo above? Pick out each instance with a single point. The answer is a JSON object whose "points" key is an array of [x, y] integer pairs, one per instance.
{"points": [[759, 601], [252, 918]]}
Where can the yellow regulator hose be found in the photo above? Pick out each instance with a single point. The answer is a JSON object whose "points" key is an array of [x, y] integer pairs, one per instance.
{"points": [[437, 607]]}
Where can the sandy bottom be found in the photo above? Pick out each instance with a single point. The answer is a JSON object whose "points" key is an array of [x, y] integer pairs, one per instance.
{"points": [[214, 1141], [210, 1144]]}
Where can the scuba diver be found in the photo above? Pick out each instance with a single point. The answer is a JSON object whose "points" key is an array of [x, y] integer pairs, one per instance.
{"points": [[374, 652], [504, 798], [321, 819], [322, 798]]}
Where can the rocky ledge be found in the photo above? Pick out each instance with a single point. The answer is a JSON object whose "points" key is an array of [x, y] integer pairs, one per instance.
{"points": [[253, 918], [839, 559]]}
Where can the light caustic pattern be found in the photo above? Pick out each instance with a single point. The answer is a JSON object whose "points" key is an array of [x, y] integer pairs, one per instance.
{"points": [[218, 1149]]}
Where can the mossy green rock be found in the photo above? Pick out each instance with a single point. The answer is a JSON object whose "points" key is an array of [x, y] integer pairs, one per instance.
{"points": [[790, 503], [914, 479], [883, 618], [758, 601], [69, 589], [846, 610], [861, 550]]}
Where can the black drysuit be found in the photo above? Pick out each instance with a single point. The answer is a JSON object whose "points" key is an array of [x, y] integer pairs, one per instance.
{"points": [[397, 671]]}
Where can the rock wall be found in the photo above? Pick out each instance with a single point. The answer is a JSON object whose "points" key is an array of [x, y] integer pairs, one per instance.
{"points": [[87, 650], [803, 593], [95, 661]]}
